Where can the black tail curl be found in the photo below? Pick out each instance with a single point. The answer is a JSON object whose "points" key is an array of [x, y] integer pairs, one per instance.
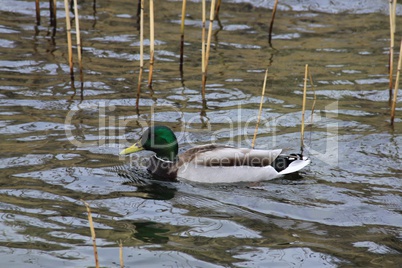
{"points": [[283, 161]]}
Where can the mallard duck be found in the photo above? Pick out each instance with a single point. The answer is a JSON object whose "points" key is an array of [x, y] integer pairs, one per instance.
{"points": [[211, 163]]}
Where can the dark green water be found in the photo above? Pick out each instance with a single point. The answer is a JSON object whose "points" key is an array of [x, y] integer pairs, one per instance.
{"points": [[59, 145]]}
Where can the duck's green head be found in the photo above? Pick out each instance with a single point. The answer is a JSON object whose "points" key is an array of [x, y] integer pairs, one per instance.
{"points": [[159, 139]]}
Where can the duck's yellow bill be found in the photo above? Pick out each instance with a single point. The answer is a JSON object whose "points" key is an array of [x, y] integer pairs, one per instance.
{"points": [[132, 149]]}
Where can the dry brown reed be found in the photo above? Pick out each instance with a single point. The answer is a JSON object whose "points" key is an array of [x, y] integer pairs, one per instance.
{"points": [[392, 26], [203, 46], [396, 86], [37, 9], [53, 13], [69, 42], [121, 254], [79, 47], [217, 8], [271, 26], [183, 17], [93, 235], [260, 109], [303, 108], [208, 48], [151, 42], [141, 54]]}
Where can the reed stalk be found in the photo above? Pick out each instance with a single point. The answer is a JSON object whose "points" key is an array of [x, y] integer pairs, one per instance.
{"points": [[271, 26], [79, 47], [218, 7], [398, 72], [303, 109], [121, 254], [69, 42], [208, 48], [53, 13], [203, 46], [138, 15], [93, 235], [260, 109], [183, 17], [392, 18], [37, 9], [151, 41], [141, 54]]}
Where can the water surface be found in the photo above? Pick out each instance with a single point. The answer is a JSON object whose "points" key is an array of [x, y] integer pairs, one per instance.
{"points": [[60, 142]]}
